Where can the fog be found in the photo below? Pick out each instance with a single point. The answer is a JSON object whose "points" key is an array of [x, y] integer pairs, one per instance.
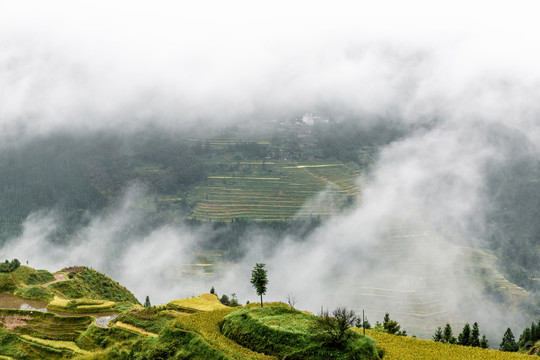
{"points": [[464, 70]]}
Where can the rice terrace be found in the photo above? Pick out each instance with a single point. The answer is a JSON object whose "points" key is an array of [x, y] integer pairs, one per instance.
{"points": [[276, 191], [237, 180]]}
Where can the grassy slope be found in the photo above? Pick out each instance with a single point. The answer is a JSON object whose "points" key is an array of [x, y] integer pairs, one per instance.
{"points": [[407, 348], [204, 302], [283, 331], [183, 328], [205, 324], [87, 283], [197, 336], [23, 279]]}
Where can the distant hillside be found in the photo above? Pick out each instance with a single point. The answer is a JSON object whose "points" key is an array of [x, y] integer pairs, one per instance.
{"points": [[270, 174]]}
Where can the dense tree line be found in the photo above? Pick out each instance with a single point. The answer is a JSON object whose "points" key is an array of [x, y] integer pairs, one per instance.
{"points": [[78, 175], [343, 140], [231, 236], [467, 337], [9, 266]]}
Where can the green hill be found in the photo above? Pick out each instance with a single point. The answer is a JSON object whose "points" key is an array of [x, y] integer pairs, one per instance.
{"points": [[92, 317]]}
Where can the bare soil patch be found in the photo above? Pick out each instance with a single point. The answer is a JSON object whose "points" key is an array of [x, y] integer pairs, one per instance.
{"points": [[11, 322]]}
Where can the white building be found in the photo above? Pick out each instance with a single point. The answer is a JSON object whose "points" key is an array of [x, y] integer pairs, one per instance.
{"points": [[307, 119], [311, 120]]}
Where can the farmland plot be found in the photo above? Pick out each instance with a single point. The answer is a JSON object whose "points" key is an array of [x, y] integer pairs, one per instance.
{"points": [[276, 191]]}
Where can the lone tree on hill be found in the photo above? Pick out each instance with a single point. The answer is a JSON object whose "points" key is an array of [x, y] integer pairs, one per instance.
{"points": [[259, 280], [147, 302]]}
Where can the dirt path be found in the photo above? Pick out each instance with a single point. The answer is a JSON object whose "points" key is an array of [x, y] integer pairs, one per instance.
{"points": [[57, 278]]}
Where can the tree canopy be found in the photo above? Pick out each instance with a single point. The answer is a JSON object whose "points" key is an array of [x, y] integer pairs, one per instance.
{"points": [[259, 280]]}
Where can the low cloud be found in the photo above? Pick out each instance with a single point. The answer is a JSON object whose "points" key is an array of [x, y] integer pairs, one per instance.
{"points": [[127, 68]]}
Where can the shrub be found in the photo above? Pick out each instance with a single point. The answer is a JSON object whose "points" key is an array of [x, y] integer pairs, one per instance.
{"points": [[9, 266]]}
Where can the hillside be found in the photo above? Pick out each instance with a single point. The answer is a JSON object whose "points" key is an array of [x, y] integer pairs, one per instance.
{"points": [[102, 320]]}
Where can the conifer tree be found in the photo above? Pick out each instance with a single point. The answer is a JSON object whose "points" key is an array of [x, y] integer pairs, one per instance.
{"points": [[484, 342], [448, 337], [534, 332], [147, 302], [508, 342], [464, 338], [475, 335], [525, 336], [438, 336], [391, 326]]}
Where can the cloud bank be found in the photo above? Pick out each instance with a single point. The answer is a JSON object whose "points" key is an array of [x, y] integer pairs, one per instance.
{"points": [[464, 69]]}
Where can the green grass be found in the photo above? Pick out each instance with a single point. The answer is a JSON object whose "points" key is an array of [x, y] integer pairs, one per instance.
{"points": [[34, 293], [206, 325], [57, 344], [22, 277], [97, 338], [146, 319], [172, 343], [81, 305], [45, 325], [13, 346], [282, 331], [91, 284], [29, 276]]}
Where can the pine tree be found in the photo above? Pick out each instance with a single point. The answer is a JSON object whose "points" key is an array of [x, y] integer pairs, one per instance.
{"points": [[225, 300], [147, 302], [508, 342], [438, 336], [525, 337], [475, 335], [448, 337], [464, 338], [366, 323], [484, 342], [391, 326], [534, 332]]}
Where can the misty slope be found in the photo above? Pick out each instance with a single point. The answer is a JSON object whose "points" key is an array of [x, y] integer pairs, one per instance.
{"points": [[76, 176], [237, 175], [196, 328]]}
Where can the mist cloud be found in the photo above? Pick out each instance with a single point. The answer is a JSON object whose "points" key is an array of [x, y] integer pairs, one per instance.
{"points": [[89, 66], [463, 69]]}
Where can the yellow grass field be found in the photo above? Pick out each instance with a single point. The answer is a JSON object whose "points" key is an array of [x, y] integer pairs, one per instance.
{"points": [[206, 325], [408, 348], [69, 345], [134, 329], [80, 305], [204, 302]]}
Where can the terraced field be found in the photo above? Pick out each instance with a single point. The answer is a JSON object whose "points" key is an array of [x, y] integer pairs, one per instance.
{"points": [[414, 286], [280, 191]]}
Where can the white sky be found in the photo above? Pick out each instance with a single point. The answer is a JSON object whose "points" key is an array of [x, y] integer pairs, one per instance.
{"points": [[95, 60]]}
